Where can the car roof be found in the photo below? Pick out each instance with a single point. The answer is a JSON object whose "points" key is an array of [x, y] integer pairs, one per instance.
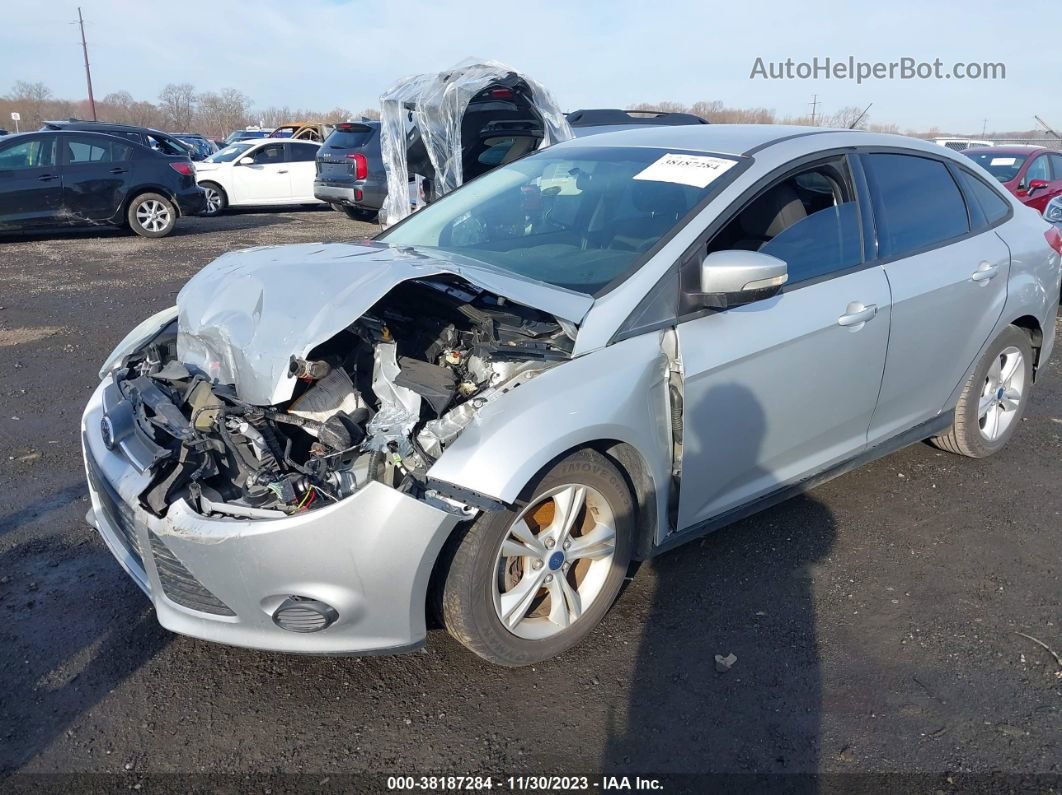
{"points": [[742, 139]]}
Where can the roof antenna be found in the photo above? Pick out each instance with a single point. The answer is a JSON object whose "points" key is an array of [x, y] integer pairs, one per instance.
{"points": [[859, 118]]}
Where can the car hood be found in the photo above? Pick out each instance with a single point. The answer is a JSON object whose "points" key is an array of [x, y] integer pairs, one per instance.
{"points": [[242, 318]]}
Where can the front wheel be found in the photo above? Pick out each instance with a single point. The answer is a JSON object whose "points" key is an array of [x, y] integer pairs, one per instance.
{"points": [[152, 215], [525, 584], [993, 400]]}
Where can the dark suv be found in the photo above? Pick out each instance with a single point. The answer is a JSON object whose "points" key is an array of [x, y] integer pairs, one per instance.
{"points": [[145, 136], [60, 178], [350, 170]]}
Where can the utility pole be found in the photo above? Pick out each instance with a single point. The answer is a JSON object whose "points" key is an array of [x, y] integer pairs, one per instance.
{"points": [[814, 105], [88, 72], [984, 128]]}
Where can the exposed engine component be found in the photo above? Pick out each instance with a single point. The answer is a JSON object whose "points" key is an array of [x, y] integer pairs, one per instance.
{"points": [[381, 401]]}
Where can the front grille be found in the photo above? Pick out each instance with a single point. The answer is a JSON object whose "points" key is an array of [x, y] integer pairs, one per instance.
{"points": [[180, 585], [118, 514]]}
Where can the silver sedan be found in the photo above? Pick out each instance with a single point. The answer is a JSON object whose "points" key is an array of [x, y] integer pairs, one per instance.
{"points": [[590, 355]]}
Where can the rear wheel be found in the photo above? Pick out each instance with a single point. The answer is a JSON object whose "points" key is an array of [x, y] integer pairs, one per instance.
{"points": [[994, 398], [525, 584], [216, 199], [152, 215], [357, 214]]}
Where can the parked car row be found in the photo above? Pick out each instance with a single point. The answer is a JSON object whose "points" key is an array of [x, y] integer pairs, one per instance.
{"points": [[498, 127]]}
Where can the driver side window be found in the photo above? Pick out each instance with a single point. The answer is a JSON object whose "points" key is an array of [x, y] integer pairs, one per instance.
{"points": [[268, 154], [809, 219], [1037, 170]]}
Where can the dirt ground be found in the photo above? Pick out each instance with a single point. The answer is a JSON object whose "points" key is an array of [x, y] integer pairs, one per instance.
{"points": [[875, 621]]}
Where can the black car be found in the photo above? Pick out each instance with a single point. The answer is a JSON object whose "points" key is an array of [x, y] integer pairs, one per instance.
{"points": [[153, 139], [53, 178]]}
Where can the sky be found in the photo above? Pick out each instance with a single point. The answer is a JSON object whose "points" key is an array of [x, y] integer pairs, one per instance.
{"points": [[323, 54]]}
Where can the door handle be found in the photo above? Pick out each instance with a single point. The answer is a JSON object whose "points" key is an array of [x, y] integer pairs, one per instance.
{"points": [[46, 177], [283, 171], [985, 272], [119, 170], [856, 314]]}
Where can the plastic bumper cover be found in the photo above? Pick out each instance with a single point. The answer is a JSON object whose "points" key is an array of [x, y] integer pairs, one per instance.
{"points": [[369, 557]]}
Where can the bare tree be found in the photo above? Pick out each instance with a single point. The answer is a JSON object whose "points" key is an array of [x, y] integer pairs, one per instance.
{"points": [[177, 103], [221, 113], [370, 113], [33, 100]]}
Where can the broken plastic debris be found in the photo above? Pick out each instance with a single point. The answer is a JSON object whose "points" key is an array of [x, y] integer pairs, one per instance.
{"points": [[724, 664]]}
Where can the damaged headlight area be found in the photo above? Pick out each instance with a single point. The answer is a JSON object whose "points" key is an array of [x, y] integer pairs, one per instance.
{"points": [[379, 401]]}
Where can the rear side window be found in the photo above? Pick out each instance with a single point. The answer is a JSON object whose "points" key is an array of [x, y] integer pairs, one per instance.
{"points": [[302, 152], [916, 203], [349, 139], [36, 153], [994, 206], [88, 149], [1056, 166]]}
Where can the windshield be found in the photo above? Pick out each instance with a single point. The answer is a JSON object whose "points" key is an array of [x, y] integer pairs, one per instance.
{"points": [[229, 153], [574, 217], [1003, 167]]}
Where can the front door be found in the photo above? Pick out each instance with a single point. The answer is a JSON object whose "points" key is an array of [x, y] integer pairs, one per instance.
{"points": [[266, 180], [781, 389], [30, 183]]}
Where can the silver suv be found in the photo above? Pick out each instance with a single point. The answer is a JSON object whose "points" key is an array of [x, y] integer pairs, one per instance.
{"points": [[584, 357]]}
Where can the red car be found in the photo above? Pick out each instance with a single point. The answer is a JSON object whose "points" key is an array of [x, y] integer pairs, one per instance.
{"points": [[1031, 173]]}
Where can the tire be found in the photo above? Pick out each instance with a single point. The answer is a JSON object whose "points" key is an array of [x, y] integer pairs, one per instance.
{"points": [[217, 199], [478, 583], [994, 398], [357, 214], [152, 215]]}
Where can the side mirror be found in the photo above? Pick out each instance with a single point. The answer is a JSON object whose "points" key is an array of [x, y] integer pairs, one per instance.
{"points": [[733, 278], [1038, 184], [246, 161]]}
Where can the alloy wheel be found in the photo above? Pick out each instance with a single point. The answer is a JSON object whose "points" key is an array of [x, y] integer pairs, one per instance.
{"points": [[1002, 393], [553, 561], [213, 200], [153, 215]]}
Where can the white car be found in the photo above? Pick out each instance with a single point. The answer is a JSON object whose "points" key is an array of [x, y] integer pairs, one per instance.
{"points": [[259, 173]]}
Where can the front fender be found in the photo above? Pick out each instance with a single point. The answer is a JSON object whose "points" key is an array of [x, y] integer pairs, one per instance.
{"points": [[614, 393]]}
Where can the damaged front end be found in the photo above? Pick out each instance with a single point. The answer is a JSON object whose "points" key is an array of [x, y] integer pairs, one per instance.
{"points": [[378, 401]]}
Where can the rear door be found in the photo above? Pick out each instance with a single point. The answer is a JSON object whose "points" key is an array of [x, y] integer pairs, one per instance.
{"points": [[266, 180], [30, 182], [302, 167], [97, 170], [1055, 161], [948, 280]]}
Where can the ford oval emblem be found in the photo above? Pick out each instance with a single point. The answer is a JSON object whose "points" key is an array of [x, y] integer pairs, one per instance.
{"points": [[107, 432]]}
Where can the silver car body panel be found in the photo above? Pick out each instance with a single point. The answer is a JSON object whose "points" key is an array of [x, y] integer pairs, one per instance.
{"points": [[243, 316], [773, 392], [369, 556]]}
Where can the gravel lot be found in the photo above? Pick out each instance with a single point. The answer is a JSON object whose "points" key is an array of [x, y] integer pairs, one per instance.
{"points": [[874, 620]]}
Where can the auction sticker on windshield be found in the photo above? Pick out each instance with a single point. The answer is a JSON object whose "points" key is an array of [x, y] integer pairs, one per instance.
{"points": [[695, 170]]}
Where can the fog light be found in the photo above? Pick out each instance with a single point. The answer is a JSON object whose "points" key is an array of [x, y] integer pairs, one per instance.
{"points": [[302, 614]]}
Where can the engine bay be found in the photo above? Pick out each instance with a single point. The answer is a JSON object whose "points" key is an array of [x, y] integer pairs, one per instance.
{"points": [[379, 401]]}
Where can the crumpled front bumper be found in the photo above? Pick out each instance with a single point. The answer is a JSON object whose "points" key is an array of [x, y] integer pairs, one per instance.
{"points": [[369, 557]]}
